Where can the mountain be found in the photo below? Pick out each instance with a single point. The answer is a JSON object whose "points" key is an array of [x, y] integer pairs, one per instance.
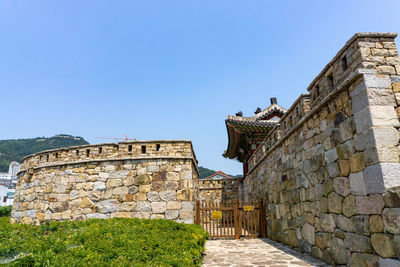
{"points": [[204, 172], [16, 149]]}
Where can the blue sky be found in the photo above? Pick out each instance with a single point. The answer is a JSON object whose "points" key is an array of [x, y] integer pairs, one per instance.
{"points": [[166, 69]]}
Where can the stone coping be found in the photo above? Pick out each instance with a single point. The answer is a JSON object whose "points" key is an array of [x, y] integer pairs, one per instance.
{"points": [[109, 144], [104, 160]]}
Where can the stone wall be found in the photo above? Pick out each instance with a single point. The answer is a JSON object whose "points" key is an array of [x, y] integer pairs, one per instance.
{"points": [[144, 179], [223, 190], [330, 171]]}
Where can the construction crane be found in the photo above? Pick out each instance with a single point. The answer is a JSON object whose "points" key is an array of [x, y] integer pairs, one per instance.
{"points": [[116, 138]]}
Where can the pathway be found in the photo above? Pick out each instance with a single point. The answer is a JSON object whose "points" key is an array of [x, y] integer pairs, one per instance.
{"points": [[254, 252]]}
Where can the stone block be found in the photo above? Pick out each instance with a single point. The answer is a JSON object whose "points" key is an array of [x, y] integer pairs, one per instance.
{"points": [[158, 207], [363, 120], [357, 183], [99, 186], [143, 206], [392, 197], [391, 220], [186, 215], [335, 203], [344, 223], [377, 81], [385, 136], [322, 239], [361, 224], [357, 163], [327, 187], [333, 170], [187, 205], [344, 167], [383, 116], [171, 214], [108, 206], [174, 205], [341, 186], [339, 251], [331, 155], [121, 215], [327, 222], [308, 233], [376, 224], [141, 215], [364, 140], [383, 245], [371, 204], [168, 195], [97, 216], [388, 262], [381, 175], [157, 216], [86, 203], [153, 196], [128, 206], [364, 260], [358, 243]]}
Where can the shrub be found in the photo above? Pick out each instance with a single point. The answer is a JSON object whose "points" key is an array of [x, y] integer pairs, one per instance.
{"points": [[5, 211], [113, 242]]}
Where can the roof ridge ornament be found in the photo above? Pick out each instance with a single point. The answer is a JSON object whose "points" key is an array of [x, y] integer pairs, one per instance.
{"points": [[258, 110], [239, 114]]}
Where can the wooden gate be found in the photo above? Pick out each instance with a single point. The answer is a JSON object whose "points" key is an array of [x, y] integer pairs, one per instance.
{"points": [[233, 219]]}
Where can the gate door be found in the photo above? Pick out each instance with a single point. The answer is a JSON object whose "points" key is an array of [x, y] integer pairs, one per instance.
{"points": [[232, 219]]}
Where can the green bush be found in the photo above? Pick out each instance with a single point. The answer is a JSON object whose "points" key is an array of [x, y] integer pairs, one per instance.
{"points": [[5, 211], [113, 242]]}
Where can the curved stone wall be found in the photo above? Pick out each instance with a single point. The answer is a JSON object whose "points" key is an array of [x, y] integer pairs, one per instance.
{"points": [[145, 179]]}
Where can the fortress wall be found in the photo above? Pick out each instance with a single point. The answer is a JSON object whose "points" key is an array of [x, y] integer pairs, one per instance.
{"points": [[330, 171], [108, 180], [224, 190]]}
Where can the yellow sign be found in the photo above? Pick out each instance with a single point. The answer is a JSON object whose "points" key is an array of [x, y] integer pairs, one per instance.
{"points": [[248, 208], [216, 215]]}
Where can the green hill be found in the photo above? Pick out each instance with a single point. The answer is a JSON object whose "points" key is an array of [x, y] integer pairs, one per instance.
{"points": [[16, 149], [204, 172]]}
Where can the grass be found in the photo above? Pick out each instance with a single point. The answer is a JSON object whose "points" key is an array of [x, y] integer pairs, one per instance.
{"points": [[96, 242]]}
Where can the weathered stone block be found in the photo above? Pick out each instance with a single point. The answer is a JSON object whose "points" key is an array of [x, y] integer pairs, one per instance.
{"points": [[372, 204], [357, 183], [341, 186], [383, 245], [357, 163], [361, 224], [344, 223], [327, 222], [391, 220], [364, 260], [335, 203], [358, 243], [168, 195], [159, 207], [339, 251]]}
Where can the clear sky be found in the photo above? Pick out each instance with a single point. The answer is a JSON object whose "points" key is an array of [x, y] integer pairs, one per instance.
{"points": [[166, 69]]}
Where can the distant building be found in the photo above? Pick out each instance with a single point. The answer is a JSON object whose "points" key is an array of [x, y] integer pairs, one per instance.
{"points": [[14, 169], [6, 196]]}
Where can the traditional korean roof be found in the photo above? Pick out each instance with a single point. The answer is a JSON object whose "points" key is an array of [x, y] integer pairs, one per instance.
{"points": [[219, 173], [258, 125]]}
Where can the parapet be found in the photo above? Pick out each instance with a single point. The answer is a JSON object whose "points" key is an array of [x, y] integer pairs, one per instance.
{"points": [[157, 149]]}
